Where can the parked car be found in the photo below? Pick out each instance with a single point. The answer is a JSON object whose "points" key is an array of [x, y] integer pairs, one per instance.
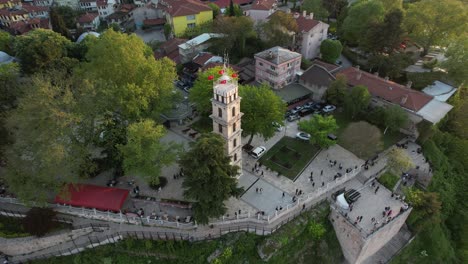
{"points": [[309, 105], [303, 136], [298, 108], [332, 137], [277, 126], [258, 152], [306, 111], [329, 108], [180, 84], [317, 106], [292, 118]]}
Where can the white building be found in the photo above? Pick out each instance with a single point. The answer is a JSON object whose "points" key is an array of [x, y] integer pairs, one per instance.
{"points": [[191, 48], [226, 116], [261, 9], [311, 34], [88, 5], [106, 7]]}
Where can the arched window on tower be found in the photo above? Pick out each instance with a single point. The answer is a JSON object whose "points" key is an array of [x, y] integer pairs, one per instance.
{"points": [[220, 112], [234, 111]]}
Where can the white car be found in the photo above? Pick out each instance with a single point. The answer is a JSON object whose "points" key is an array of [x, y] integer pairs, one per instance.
{"points": [[329, 108], [303, 136], [258, 152]]}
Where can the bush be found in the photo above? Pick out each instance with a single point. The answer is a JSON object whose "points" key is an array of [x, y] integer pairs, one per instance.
{"points": [[39, 221], [388, 180], [162, 183]]}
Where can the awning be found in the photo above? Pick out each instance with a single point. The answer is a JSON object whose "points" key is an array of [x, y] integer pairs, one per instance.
{"points": [[341, 201]]}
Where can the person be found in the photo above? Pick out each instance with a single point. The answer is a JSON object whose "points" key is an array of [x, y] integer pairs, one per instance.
{"points": [[303, 206], [321, 172], [256, 190], [283, 194]]}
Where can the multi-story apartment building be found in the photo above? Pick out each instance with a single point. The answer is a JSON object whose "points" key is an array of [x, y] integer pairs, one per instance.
{"points": [[311, 34], [184, 14], [277, 66]]}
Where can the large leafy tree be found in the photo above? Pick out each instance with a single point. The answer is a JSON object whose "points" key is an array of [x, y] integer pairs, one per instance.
{"points": [[209, 177], [338, 90], [375, 41], [319, 127], [317, 7], [394, 118], [202, 90], [334, 7], [427, 207], [47, 152], [261, 107], [6, 42], [390, 65], [236, 31], [360, 15], [279, 29], [433, 22], [58, 24], [398, 161], [391, 5], [357, 100], [127, 78], [9, 85], [457, 59], [144, 154], [40, 49], [68, 14], [330, 50]]}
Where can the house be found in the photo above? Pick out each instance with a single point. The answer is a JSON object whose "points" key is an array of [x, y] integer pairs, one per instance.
{"points": [[24, 26], [317, 79], [170, 49], [311, 34], [191, 48], [261, 9], [88, 5], [106, 7], [184, 14], [122, 16], [89, 21], [75, 4], [440, 90], [41, 2], [418, 105], [9, 3], [277, 66], [29, 15], [204, 58]]}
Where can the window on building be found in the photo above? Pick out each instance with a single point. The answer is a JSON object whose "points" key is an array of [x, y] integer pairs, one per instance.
{"points": [[233, 111], [222, 99], [234, 143], [234, 127], [272, 67], [220, 128], [191, 25], [190, 17], [220, 112], [261, 64], [217, 97], [235, 156]]}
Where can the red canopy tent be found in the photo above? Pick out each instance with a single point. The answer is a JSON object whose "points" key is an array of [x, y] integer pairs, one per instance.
{"points": [[92, 196]]}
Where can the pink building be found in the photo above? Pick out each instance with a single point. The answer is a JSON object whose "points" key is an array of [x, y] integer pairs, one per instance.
{"points": [[277, 67]]}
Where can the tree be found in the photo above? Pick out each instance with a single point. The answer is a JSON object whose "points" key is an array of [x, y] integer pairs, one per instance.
{"points": [[279, 29], [316, 230], [362, 132], [9, 85], [316, 7], [127, 78], [391, 5], [261, 107], [68, 14], [394, 118], [398, 161], [457, 59], [390, 66], [202, 90], [47, 152], [6, 42], [168, 30], [39, 221], [144, 154], [319, 127], [433, 22], [357, 100], [207, 167], [58, 24], [338, 90], [334, 7], [360, 15], [427, 207], [40, 49], [236, 31], [234, 10], [215, 8], [231, 9], [330, 50], [375, 41]]}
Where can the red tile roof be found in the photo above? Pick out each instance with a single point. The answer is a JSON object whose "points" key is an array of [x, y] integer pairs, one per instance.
{"points": [[30, 8], [306, 24], [330, 67], [226, 3], [263, 4], [87, 18], [154, 21], [183, 7], [170, 49], [387, 90], [201, 59], [22, 27]]}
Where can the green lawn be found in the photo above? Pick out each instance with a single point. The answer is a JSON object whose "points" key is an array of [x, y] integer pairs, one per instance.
{"points": [[289, 156], [391, 138], [11, 227], [388, 180], [203, 125]]}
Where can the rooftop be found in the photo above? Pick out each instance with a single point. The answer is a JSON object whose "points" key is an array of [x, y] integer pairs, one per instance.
{"points": [[371, 206], [386, 89], [440, 90], [225, 3], [317, 75], [199, 40], [292, 91], [263, 4], [329, 66], [87, 18], [183, 7], [202, 58], [277, 55]]}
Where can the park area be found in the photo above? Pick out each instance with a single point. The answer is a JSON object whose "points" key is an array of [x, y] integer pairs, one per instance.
{"points": [[289, 156]]}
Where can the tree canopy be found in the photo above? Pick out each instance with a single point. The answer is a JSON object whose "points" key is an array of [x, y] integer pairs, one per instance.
{"points": [[144, 154], [330, 50], [317, 7], [375, 41], [207, 167], [394, 118], [357, 100], [236, 31], [261, 107], [433, 22], [398, 161], [457, 59], [338, 90], [319, 127], [361, 14], [279, 29]]}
